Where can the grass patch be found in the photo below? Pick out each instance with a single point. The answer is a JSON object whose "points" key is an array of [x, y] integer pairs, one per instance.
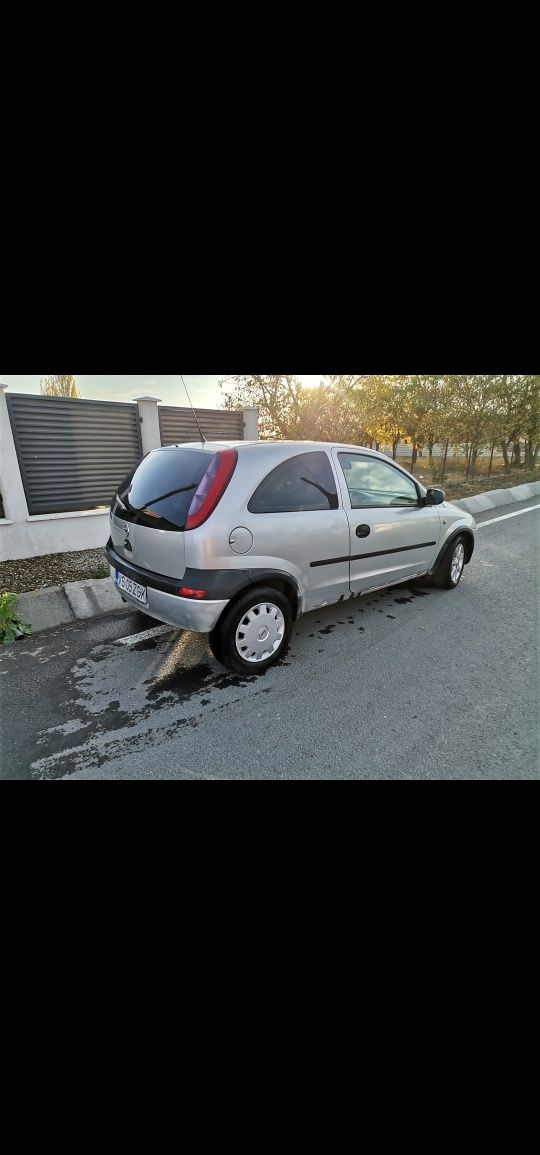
{"points": [[456, 485], [11, 626]]}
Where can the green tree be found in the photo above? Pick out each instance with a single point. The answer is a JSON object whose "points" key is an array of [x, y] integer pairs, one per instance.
{"points": [[368, 410], [531, 420], [474, 417], [388, 402], [449, 419], [517, 416], [278, 398], [469, 411], [332, 413], [63, 385], [422, 412]]}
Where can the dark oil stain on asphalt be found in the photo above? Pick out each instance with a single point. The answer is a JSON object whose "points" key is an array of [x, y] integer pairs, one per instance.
{"points": [[101, 653], [179, 681], [239, 681], [140, 741], [416, 593], [182, 684], [178, 685], [109, 720]]}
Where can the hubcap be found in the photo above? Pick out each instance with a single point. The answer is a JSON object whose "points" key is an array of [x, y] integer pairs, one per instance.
{"points": [[260, 632], [458, 561]]}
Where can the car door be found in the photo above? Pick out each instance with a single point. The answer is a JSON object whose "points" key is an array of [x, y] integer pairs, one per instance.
{"points": [[298, 525], [393, 535]]}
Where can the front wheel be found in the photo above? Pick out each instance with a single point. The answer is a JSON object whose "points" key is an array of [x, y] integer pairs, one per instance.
{"points": [[450, 568], [254, 633]]}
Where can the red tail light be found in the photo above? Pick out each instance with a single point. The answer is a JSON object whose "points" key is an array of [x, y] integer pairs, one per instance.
{"points": [[212, 487], [185, 592]]}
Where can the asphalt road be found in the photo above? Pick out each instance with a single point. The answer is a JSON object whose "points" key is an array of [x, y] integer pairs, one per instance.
{"points": [[404, 684]]}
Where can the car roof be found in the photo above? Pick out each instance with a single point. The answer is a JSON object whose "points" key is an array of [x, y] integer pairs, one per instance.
{"points": [[256, 446]]}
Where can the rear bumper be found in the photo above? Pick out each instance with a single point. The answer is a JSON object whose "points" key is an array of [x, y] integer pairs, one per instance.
{"points": [[200, 616]]}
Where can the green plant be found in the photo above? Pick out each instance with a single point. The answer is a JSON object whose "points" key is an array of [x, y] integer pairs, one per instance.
{"points": [[11, 626], [101, 572]]}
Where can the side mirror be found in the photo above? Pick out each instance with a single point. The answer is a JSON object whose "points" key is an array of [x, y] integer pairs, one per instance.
{"points": [[434, 496]]}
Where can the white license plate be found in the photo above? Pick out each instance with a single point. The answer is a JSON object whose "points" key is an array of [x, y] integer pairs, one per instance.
{"points": [[130, 587]]}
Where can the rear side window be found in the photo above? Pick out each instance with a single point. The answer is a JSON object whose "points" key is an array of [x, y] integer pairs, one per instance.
{"points": [[160, 491], [302, 483]]}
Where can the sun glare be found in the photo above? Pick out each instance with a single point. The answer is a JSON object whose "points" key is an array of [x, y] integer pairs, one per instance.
{"points": [[311, 380]]}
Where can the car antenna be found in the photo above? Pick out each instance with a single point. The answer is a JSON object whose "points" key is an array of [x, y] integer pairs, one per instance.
{"points": [[203, 438]]}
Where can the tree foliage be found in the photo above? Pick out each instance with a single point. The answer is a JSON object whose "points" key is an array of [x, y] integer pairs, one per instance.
{"points": [[61, 385], [469, 412], [278, 398]]}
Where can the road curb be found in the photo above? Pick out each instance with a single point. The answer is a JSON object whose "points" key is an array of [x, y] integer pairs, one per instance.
{"points": [[78, 601], [93, 596], [74, 601], [43, 609], [497, 497]]}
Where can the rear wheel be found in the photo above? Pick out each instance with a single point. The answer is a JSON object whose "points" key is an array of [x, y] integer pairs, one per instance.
{"points": [[254, 633], [450, 568]]}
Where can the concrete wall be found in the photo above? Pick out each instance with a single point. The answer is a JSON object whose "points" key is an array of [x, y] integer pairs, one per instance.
{"points": [[53, 533], [24, 536]]}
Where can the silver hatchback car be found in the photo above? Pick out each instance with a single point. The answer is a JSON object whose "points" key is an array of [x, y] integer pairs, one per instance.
{"points": [[236, 539]]}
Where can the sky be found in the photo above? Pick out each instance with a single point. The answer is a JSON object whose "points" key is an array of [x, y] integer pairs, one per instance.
{"points": [[203, 389]]}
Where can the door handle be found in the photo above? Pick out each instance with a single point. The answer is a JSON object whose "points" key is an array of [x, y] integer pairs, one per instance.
{"points": [[363, 530]]}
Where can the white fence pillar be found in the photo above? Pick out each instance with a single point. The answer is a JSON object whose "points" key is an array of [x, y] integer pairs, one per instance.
{"points": [[11, 486], [251, 424], [147, 405]]}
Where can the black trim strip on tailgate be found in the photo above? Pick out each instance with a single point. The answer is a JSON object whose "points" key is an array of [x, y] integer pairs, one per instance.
{"points": [[377, 553], [220, 584]]}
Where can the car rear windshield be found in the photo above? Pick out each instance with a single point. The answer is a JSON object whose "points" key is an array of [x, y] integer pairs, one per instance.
{"points": [[160, 491]]}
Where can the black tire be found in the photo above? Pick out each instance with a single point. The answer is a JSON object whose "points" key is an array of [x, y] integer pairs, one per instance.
{"points": [[228, 640], [450, 568]]}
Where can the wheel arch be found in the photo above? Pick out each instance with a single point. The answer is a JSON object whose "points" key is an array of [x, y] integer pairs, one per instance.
{"points": [[468, 541], [272, 579]]}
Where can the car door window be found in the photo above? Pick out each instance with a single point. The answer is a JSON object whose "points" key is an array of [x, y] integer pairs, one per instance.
{"points": [[305, 482], [373, 483]]}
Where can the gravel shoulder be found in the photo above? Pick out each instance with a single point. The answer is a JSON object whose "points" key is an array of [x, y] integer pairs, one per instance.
{"points": [[55, 569]]}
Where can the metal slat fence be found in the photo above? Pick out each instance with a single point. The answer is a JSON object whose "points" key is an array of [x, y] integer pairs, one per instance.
{"points": [[72, 453], [178, 424]]}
